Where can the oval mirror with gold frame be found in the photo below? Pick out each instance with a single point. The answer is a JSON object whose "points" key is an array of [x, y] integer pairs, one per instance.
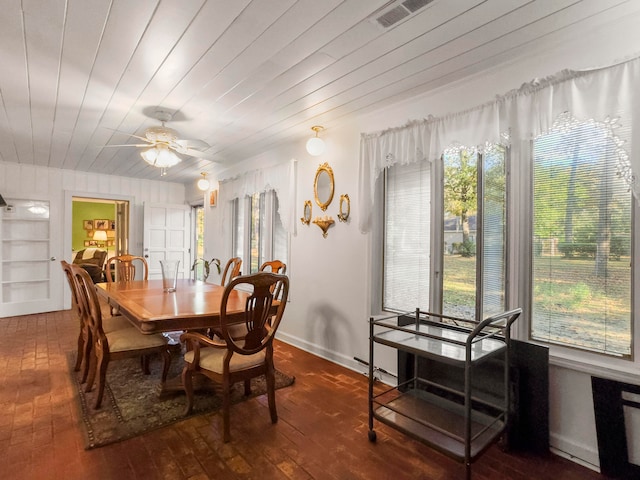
{"points": [[345, 208], [306, 219], [323, 186]]}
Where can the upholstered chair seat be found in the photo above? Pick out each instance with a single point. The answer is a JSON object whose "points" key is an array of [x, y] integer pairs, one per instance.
{"points": [[212, 359], [124, 340]]}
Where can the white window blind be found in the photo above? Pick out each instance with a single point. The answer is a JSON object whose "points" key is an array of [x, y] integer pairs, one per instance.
{"points": [[582, 240], [407, 237], [494, 230]]}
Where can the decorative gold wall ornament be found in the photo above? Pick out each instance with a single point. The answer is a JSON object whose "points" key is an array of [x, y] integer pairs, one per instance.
{"points": [[324, 223], [306, 219], [323, 186], [345, 208]]}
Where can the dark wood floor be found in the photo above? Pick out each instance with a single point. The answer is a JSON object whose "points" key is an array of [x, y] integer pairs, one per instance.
{"points": [[321, 434]]}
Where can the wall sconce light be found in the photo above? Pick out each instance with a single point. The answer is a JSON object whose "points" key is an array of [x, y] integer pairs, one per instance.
{"points": [[100, 236], [315, 145], [203, 183]]}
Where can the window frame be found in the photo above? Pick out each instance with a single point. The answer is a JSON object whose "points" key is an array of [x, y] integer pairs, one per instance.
{"points": [[436, 251], [518, 265], [574, 358], [266, 225]]}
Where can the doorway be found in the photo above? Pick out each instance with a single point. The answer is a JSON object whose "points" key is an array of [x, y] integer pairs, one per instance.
{"points": [[99, 223]]}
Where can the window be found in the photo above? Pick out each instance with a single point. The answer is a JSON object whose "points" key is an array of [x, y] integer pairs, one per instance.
{"points": [[470, 237], [265, 238], [198, 219], [407, 245], [581, 289], [460, 191]]}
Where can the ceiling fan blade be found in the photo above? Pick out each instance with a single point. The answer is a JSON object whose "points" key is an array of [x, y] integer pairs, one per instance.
{"points": [[129, 145], [192, 152], [130, 135], [192, 143], [192, 148]]}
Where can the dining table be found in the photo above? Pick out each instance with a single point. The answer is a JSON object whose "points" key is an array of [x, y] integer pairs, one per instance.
{"points": [[193, 305]]}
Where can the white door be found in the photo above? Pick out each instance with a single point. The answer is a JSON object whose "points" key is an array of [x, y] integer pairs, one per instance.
{"points": [[166, 237], [31, 278]]}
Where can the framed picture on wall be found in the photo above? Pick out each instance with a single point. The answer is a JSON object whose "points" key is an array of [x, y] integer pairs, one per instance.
{"points": [[87, 224], [101, 224], [213, 198], [86, 243]]}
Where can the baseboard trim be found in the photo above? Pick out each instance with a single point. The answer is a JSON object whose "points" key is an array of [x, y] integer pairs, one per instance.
{"points": [[576, 452]]}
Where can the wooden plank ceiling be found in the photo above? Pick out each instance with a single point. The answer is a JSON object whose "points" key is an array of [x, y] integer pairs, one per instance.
{"points": [[242, 76]]}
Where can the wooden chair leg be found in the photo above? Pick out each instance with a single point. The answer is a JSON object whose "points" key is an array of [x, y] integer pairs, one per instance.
{"points": [[144, 363], [187, 384], [101, 370], [92, 371], [87, 354], [80, 356], [166, 356]]}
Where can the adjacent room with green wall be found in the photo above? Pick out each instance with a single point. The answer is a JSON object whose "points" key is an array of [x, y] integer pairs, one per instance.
{"points": [[88, 210]]}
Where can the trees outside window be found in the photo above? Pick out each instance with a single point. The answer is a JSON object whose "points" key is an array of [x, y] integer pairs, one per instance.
{"points": [[466, 241], [582, 240]]}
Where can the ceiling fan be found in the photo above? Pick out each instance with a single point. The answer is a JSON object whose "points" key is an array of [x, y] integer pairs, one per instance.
{"points": [[162, 143]]}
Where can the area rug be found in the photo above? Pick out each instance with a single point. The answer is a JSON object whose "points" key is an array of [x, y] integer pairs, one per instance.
{"points": [[131, 404]]}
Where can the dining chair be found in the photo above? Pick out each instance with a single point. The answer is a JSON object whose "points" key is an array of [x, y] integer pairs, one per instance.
{"points": [[84, 335], [227, 361], [115, 345], [275, 266], [232, 267], [124, 268]]}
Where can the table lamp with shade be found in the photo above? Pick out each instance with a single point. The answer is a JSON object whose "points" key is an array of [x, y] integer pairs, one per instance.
{"points": [[100, 236]]}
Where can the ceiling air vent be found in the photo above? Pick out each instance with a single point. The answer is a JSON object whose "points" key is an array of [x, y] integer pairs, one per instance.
{"points": [[396, 11], [415, 5], [392, 16]]}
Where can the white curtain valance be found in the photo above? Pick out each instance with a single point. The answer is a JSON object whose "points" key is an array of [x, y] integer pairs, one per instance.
{"points": [[280, 178], [608, 95]]}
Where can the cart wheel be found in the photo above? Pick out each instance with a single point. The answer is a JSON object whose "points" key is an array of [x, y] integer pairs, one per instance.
{"points": [[372, 435]]}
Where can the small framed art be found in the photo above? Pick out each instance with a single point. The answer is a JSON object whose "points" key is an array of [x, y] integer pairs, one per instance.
{"points": [[101, 224]]}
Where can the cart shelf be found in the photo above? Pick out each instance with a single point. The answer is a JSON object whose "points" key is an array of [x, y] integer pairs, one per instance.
{"points": [[451, 420]]}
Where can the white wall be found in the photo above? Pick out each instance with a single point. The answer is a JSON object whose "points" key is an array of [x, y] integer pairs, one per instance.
{"points": [[331, 285], [57, 185]]}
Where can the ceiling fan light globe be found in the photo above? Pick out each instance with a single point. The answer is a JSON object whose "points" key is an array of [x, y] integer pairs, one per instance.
{"points": [[315, 146], [166, 158], [149, 155]]}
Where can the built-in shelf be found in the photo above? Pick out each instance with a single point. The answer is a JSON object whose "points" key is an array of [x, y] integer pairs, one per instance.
{"points": [[26, 267], [31, 280]]}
